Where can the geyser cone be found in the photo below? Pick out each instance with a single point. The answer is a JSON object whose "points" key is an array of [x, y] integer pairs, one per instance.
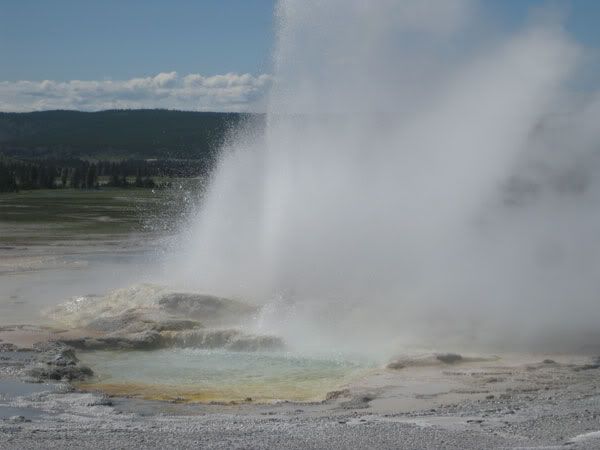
{"points": [[373, 209]]}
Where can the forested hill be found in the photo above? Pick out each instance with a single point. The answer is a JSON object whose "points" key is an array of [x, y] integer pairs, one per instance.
{"points": [[118, 134]]}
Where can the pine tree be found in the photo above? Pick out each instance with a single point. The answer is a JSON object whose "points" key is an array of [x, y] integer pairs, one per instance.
{"points": [[64, 174], [90, 178], [75, 178]]}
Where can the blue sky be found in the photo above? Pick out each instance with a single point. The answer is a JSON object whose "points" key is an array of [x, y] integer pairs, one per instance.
{"points": [[62, 40], [581, 17], [84, 39]]}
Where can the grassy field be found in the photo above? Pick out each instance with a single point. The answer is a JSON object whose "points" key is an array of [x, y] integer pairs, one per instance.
{"points": [[62, 214]]}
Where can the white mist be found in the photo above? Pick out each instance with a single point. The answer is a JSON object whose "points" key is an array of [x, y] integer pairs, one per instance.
{"points": [[407, 189]]}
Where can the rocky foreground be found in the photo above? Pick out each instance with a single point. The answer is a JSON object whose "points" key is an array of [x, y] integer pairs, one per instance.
{"points": [[542, 404], [419, 401]]}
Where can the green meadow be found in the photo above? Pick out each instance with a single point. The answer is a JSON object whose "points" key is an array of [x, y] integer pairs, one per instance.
{"points": [[47, 215]]}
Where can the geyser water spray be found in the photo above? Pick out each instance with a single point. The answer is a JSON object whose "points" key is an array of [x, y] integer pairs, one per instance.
{"points": [[421, 180]]}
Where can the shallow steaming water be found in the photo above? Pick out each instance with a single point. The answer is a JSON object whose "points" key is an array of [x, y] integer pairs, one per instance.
{"points": [[216, 375]]}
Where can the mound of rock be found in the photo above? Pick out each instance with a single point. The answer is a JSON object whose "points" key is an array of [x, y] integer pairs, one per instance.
{"points": [[56, 362], [147, 317], [148, 302], [433, 359]]}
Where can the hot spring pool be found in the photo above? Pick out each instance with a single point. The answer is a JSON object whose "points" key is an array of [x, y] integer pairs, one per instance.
{"points": [[217, 375]]}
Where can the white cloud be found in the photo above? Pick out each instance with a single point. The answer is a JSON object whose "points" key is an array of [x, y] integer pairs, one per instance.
{"points": [[228, 92]]}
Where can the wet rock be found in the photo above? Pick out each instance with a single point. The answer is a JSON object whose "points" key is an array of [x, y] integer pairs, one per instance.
{"points": [[50, 362], [396, 365], [140, 321], [433, 359], [49, 347], [145, 340], [101, 401], [59, 373], [205, 307], [595, 364], [18, 419], [334, 395], [449, 358], [245, 343], [586, 367], [359, 402], [493, 380], [142, 340], [8, 347], [177, 325], [199, 338], [229, 339], [65, 358], [114, 323], [56, 361], [85, 343], [56, 353]]}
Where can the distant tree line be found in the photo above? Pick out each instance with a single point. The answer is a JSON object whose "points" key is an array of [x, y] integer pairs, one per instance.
{"points": [[119, 134], [16, 174]]}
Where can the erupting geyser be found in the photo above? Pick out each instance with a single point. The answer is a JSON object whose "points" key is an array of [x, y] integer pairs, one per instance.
{"points": [[420, 181]]}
